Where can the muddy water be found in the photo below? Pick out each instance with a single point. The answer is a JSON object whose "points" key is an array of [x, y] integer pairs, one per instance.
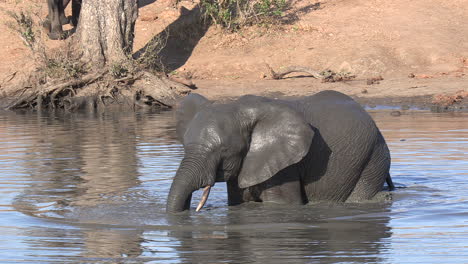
{"points": [[92, 188]]}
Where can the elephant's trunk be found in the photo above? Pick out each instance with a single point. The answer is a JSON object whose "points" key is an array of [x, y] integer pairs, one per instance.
{"points": [[189, 177]]}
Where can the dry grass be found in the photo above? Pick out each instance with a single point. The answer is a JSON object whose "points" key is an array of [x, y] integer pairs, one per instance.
{"points": [[234, 14], [149, 57]]}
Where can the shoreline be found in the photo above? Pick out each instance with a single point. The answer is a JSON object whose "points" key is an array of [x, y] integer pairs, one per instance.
{"points": [[402, 93], [397, 94]]}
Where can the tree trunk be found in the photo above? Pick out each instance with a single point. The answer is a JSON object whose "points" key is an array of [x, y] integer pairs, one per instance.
{"points": [[104, 43], [106, 30]]}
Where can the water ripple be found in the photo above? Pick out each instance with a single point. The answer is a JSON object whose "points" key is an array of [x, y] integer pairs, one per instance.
{"points": [[79, 188]]}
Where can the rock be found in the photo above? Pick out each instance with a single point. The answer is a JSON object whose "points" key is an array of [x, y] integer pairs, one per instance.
{"points": [[374, 80]]}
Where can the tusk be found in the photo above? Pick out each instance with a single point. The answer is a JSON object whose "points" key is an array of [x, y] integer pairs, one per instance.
{"points": [[204, 198]]}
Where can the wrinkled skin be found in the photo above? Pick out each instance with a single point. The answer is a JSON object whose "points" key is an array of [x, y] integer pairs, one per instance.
{"points": [[323, 147], [56, 17]]}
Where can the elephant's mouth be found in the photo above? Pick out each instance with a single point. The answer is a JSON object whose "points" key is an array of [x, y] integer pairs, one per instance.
{"points": [[204, 198]]}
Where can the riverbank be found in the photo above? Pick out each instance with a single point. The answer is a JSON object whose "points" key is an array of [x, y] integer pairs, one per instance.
{"points": [[404, 93], [402, 54]]}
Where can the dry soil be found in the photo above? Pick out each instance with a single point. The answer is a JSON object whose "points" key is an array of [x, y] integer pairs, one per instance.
{"points": [[419, 48]]}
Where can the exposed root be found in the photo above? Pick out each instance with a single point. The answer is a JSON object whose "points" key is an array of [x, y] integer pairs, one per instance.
{"points": [[280, 75], [101, 90], [159, 90], [53, 90]]}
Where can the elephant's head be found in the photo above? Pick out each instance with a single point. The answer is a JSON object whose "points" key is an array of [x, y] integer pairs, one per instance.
{"points": [[249, 140]]}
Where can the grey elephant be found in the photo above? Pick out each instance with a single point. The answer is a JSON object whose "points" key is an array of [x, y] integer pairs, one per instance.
{"points": [[56, 17], [323, 147]]}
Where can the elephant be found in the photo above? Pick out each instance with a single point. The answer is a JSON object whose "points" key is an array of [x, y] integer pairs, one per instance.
{"points": [[323, 147], [56, 17]]}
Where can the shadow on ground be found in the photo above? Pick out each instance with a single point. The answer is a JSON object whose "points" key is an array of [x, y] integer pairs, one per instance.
{"points": [[171, 48], [293, 15], [142, 3]]}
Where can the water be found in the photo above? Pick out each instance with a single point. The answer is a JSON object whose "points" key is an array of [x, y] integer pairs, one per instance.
{"points": [[91, 188]]}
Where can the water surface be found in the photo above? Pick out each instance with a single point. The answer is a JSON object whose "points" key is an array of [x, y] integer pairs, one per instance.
{"points": [[91, 188]]}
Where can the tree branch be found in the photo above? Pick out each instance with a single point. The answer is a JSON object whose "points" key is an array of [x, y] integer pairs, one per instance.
{"points": [[291, 69]]}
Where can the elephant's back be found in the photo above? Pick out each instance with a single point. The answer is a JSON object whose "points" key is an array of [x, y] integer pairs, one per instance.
{"points": [[339, 118], [345, 136], [334, 103]]}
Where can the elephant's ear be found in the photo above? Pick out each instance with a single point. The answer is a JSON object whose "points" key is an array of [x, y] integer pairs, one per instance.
{"points": [[186, 110], [280, 138]]}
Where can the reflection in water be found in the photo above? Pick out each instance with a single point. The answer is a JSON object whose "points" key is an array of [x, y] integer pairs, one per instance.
{"points": [[91, 188], [85, 163], [76, 164], [260, 233]]}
